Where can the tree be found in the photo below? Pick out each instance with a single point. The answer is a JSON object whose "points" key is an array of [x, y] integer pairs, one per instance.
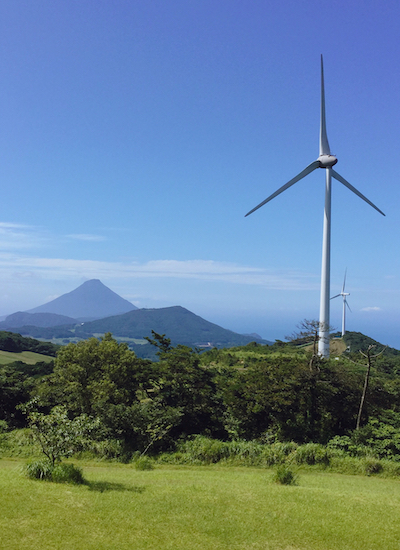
{"points": [[369, 358], [159, 341], [187, 386], [104, 379], [15, 390], [92, 374], [58, 435], [309, 333]]}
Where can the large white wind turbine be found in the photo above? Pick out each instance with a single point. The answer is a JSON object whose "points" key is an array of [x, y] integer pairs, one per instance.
{"points": [[325, 160], [344, 295]]}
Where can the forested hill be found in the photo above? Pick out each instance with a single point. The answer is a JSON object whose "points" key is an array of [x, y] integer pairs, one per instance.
{"points": [[11, 341], [357, 341], [177, 323]]}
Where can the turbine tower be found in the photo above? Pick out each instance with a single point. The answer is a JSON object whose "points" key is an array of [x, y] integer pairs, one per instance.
{"points": [[344, 296], [325, 160]]}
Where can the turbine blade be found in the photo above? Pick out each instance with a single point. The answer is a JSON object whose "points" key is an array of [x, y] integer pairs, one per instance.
{"points": [[337, 295], [310, 168], [349, 186], [344, 280], [347, 305], [323, 138]]}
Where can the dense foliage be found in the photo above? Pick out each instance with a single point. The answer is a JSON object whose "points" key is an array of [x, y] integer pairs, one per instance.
{"points": [[267, 394], [11, 341]]}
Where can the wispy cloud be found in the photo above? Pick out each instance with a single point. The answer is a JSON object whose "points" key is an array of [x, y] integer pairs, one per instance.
{"points": [[19, 262], [14, 236], [87, 237], [371, 308], [202, 270], [9, 225]]}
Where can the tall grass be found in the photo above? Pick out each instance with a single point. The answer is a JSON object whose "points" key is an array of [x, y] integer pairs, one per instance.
{"points": [[202, 450], [284, 475], [19, 443], [44, 470]]}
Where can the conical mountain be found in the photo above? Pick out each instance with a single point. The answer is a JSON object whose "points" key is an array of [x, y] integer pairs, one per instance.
{"points": [[91, 300]]}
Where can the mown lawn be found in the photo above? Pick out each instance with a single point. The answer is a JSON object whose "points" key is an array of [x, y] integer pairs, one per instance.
{"points": [[197, 507], [28, 357]]}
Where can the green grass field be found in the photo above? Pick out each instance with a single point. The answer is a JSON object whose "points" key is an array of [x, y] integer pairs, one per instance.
{"points": [[29, 357], [185, 508]]}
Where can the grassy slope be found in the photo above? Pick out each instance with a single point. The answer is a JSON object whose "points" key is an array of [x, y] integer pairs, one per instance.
{"points": [[337, 347], [177, 508], [29, 357]]}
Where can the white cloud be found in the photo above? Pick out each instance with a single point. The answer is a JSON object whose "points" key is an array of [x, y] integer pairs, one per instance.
{"points": [[14, 236], [17, 236], [203, 270], [16, 265], [9, 225], [87, 237], [371, 308]]}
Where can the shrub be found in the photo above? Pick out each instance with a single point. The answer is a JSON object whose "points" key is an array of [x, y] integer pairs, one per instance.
{"points": [[3, 426], [143, 463], [106, 448], [311, 453], [341, 445], [372, 466], [19, 443], [60, 473], [204, 449], [278, 453], [67, 473], [59, 436], [285, 476], [173, 458], [39, 469]]}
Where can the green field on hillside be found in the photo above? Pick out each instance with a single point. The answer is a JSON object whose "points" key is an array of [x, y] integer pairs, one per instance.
{"points": [[177, 508], [28, 357]]}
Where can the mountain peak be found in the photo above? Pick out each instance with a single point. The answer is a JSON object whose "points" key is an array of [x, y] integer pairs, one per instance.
{"points": [[91, 300], [92, 282]]}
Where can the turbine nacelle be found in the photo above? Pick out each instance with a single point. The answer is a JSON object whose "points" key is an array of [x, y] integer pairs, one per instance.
{"points": [[344, 295], [327, 161]]}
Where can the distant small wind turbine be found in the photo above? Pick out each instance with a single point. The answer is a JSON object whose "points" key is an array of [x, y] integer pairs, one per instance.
{"points": [[325, 160], [344, 296]]}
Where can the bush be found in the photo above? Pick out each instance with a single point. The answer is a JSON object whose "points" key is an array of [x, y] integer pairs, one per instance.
{"points": [[345, 445], [278, 453], [3, 426], [58, 435], [372, 466], [39, 469], [143, 463], [311, 453], [107, 448], [19, 443], [60, 473], [285, 476], [67, 473], [204, 449]]}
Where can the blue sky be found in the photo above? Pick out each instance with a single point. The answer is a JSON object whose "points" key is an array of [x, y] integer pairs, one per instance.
{"points": [[135, 135]]}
